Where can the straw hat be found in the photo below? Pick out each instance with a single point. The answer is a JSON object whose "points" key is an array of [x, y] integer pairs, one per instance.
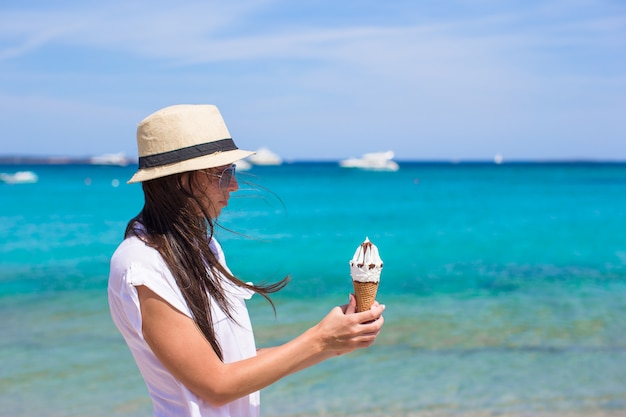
{"points": [[181, 138]]}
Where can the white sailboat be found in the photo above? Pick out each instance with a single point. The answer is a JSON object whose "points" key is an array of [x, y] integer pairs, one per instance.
{"points": [[20, 177], [264, 156], [243, 165], [378, 161], [110, 159]]}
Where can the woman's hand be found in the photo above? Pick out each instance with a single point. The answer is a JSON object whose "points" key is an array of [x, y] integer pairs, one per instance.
{"points": [[343, 330]]}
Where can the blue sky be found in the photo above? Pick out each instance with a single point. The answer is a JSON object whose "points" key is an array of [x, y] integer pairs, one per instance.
{"points": [[326, 79]]}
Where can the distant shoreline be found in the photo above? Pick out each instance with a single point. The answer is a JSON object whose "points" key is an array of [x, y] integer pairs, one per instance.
{"points": [[58, 160], [42, 160]]}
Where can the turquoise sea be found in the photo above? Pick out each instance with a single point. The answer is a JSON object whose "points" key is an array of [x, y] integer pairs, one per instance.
{"points": [[505, 287]]}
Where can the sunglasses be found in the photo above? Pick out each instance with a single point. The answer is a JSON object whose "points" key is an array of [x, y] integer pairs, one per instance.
{"points": [[226, 176]]}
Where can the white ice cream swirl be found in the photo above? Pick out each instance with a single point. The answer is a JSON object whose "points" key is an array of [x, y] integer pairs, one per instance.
{"points": [[366, 264]]}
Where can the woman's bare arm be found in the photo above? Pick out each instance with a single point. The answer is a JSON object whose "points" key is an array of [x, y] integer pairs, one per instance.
{"points": [[181, 347]]}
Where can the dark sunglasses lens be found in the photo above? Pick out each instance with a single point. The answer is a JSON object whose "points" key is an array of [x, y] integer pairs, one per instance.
{"points": [[227, 177]]}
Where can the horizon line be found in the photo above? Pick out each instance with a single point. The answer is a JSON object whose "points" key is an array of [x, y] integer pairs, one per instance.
{"points": [[88, 160]]}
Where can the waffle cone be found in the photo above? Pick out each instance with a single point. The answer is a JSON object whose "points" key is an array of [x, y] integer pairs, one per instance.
{"points": [[365, 293]]}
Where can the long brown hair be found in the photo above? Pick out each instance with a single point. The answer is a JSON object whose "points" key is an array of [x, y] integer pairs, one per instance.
{"points": [[170, 223]]}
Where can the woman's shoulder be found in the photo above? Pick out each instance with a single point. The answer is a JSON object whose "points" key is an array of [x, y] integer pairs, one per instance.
{"points": [[135, 263], [133, 251], [133, 245]]}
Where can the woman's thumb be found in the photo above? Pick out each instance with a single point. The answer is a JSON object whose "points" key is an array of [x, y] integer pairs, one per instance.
{"points": [[351, 308]]}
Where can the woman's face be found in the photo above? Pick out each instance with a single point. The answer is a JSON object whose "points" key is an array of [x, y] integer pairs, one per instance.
{"points": [[214, 186]]}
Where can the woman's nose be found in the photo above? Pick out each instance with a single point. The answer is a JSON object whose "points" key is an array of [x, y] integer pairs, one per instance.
{"points": [[233, 185]]}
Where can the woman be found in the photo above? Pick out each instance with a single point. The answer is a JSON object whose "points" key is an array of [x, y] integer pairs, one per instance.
{"points": [[172, 296]]}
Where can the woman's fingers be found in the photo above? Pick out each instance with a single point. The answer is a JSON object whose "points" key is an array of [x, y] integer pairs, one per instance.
{"points": [[373, 314]]}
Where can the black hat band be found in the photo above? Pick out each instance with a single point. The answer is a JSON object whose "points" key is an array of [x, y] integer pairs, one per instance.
{"points": [[184, 154]]}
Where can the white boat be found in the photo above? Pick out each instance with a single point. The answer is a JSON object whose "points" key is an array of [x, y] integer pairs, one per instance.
{"points": [[243, 165], [264, 156], [377, 161], [110, 159], [20, 177]]}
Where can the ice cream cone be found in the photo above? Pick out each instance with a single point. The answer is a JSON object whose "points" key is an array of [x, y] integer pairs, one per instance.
{"points": [[365, 294]]}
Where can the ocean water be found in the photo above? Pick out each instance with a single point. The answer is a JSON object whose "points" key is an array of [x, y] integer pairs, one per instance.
{"points": [[505, 287]]}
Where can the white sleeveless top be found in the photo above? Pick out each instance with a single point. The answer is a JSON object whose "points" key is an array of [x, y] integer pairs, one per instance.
{"points": [[133, 264]]}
